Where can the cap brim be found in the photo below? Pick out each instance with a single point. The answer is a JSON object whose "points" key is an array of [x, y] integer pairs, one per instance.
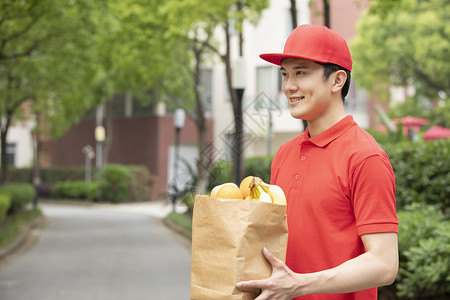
{"points": [[276, 58]]}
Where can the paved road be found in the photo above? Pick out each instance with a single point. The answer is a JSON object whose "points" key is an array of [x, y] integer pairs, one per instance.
{"points": [[100, 252]]}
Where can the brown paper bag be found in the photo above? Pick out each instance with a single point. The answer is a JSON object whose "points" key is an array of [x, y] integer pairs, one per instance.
{"points": [[228, 237]]}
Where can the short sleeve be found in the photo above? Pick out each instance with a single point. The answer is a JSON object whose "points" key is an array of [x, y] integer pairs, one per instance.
{"points": [[373, 196]]}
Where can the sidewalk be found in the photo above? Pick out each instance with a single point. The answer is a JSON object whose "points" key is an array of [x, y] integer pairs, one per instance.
{"points": [[158, 209]]}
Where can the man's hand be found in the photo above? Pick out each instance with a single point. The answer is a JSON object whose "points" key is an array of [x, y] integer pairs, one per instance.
{"points": [[280, 286]]}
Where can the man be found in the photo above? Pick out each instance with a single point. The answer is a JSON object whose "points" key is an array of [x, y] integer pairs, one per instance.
{"points": [[339, 183]]}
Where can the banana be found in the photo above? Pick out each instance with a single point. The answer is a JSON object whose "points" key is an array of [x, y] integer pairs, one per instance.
{"points": [[258, 194], [261, 191]]}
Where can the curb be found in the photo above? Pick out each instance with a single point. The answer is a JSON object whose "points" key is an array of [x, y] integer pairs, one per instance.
{"points": [[20, 240], [186, 234]]}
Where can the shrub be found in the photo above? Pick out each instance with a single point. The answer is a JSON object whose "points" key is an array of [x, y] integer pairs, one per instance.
{"points": [[139, 183], [422, 172], [75, 190], [221, 172], [379, 136], [258, 166], [20, 195], [424, 245], [48, 175], [115, 183], [5, 202]]}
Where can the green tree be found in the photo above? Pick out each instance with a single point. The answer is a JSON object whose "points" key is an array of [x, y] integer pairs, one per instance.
{"points": [[407, 42], [197, 29], [137, 57], [39, 47]]}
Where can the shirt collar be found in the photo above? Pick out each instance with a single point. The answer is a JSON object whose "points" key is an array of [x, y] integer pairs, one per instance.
{"points": [[330, 134]]}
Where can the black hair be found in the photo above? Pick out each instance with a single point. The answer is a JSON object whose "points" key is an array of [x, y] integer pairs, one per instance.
{"points": [[329, 68]]}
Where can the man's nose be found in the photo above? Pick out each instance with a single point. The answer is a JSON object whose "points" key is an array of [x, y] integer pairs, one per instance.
{"points": [[291, 84]]}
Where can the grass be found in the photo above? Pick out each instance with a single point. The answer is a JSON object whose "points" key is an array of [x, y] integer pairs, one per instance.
{"points": [[13, 225], [181, 220]]}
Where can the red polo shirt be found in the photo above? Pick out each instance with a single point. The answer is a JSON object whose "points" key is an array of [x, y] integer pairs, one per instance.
{"points": [[339, 186]]}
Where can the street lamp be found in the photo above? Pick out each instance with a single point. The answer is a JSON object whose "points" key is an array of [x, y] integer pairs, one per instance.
{"points": [[88, 151], [238, 84], [100, 136], [178, 123]]}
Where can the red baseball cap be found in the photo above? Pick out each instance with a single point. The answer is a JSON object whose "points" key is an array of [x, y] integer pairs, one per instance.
{"points": [[316, 43]]}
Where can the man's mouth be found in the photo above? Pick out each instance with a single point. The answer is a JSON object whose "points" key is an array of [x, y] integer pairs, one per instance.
{"points": [[296, 99]]}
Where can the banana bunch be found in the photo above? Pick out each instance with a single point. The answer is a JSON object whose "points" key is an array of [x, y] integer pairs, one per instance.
{"points": [[263, 192]]}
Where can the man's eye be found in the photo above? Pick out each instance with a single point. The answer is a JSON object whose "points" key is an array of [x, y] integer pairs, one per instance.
{"points": [[300, 72], [283, 74]]}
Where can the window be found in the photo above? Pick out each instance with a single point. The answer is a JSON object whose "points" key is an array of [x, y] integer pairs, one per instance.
{"points": [[11, 154], [268, 83], [356, 100], [206, 88]]}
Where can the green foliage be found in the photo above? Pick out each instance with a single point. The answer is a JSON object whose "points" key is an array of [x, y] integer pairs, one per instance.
{"points": [[440, 115], [48, 175], [14, 224], [420, 108], [182, 220], [139, 183], [383, 7], [20, 195], [408, 45], [258, 166], [220, 172], [68, 182], [5, 202], [422, 172], [413, 106], [47, 45], [380, 136], [115, 183], [424, 247], [75, 190]]}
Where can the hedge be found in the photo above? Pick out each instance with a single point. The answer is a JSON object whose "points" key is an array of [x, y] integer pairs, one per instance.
{"points": [[62, 182], [221, 171], [424, 247], [139, 183], [75, 190], [5, 202], [20, 194], [422, 172], [115, 183], [48, 175]]}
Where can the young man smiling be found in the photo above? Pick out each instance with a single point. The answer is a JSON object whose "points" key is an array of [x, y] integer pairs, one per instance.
{"points": [[339, 183]]}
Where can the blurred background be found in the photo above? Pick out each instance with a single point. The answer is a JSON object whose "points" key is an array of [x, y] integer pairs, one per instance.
{"points": [[147, 100]]}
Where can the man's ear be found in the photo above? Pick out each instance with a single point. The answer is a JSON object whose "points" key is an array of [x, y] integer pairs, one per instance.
{"points": [[340, 77]]}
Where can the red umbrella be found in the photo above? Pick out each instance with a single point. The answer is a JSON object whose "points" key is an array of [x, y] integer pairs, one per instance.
{"points": [[413, 121], [410, 122], [436, 132]]}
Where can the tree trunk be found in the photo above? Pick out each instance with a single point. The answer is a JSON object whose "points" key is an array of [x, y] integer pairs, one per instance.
{"points": [[36, 180], [4, 161], [4, 157], [109, 131], [294, 25], [203, 163], [238, 166], [294, 13], [326, 13]]}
